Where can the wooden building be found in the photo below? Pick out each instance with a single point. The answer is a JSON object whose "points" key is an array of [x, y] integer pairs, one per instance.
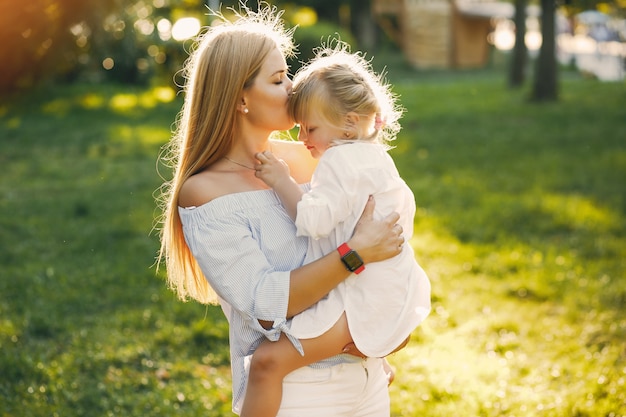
{"points": [[441, 33]]}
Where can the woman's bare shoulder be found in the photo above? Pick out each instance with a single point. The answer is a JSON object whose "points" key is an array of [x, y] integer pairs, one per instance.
{"points": [[199, 189]]}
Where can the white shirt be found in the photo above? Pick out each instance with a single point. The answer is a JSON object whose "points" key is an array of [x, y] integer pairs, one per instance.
{"points": [[385, 302]]}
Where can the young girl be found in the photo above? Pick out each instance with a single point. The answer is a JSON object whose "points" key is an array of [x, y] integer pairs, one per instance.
{"points": [[346, 114]]}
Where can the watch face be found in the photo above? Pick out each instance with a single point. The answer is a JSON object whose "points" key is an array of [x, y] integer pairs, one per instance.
{"points": [[352, 261]]}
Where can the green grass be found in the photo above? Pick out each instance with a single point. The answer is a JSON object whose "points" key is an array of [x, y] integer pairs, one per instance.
{"points": [[521, 226]]}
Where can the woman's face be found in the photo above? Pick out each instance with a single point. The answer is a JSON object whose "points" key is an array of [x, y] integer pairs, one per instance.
{"points": [[267, 98]]}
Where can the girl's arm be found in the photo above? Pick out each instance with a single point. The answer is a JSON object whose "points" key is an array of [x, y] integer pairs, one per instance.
{"points": [[275, 173]]}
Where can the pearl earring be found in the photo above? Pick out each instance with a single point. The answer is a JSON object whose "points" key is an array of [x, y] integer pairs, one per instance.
{"points": [[245, 110]]}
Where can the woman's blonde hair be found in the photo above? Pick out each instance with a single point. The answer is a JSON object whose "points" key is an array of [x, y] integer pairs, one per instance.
{"points": [[224, 62], [337, 82]]}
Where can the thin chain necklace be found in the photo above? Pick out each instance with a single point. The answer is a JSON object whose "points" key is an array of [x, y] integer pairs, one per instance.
{"points": [[240, 164], [244, 165]]}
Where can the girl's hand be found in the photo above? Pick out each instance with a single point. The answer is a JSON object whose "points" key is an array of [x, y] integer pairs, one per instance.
{"points": [[270, 169], [275, 173]]}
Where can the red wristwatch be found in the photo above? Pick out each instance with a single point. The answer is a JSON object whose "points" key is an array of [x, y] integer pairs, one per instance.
{"points": [[351, 259]]}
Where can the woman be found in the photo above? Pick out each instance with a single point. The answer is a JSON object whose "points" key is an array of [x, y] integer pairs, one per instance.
{"points": [[224, 230]]}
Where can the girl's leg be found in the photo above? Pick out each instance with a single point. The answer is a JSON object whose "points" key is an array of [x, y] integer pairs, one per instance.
{"points": [[272, 361]]}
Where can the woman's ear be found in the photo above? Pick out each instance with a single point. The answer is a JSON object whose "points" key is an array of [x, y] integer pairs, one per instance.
{"points": [[242, 106]]}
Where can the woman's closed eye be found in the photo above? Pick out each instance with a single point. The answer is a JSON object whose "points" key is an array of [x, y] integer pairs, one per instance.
{"points": [[284, 77]]}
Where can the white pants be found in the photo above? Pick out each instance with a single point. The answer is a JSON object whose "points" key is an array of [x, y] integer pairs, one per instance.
{"points": [[346, 390]]}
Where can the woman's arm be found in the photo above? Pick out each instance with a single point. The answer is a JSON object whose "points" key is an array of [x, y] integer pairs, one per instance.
{"points": [[374, 240]]}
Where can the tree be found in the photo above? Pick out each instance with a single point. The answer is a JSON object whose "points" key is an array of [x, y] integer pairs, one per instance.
{"points": [[37, 40], [545, 86], [362, 23], [517, 70]]}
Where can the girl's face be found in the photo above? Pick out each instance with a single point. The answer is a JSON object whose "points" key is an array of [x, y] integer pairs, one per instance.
{"points": [[266, 100], [318, 134]]}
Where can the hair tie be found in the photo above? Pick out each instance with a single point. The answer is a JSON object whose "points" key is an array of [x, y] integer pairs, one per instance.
{"points": [[379, 122]]}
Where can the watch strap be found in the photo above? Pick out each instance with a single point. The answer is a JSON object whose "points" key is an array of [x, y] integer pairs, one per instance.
{"points": [[346, 252], [343, 249]]}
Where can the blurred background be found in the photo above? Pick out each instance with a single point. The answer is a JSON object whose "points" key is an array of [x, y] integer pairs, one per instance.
{"points": [[134, 41], [513, 143]]}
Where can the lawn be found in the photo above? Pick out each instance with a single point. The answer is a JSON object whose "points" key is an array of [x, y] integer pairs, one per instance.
{"points": [[521, 227]]}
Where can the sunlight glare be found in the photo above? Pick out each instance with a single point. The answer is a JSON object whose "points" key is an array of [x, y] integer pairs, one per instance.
{"points": [[533, 40], [122, 102], [305, 16], [503, 36], [579, 212], [144, 26], [92, 101], [164, 94], [164, 27], [108, 63], [185, 28]]}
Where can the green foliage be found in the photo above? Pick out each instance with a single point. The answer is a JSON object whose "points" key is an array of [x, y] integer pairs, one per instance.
{"points": [[111, 40], [308, 38], [33, 33], [521, 228], [97, 40]]}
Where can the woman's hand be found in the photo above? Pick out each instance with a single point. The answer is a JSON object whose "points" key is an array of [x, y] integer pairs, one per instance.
{"points": [[389, 372], [351, 348], [376, 240]]}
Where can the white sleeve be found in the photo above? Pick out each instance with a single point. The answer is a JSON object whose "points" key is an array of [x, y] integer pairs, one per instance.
{"points": [[236, 267], [333, 196]]}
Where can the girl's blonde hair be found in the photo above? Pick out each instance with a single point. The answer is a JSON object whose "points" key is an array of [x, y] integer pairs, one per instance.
{"points": [[337, 82], [225, 61]]}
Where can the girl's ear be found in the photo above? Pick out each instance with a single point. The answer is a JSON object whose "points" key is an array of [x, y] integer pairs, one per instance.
{"points": [[352, 119], [352, 125]]}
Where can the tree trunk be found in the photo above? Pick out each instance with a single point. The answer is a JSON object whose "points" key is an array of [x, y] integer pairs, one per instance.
{"points": [[545, 87], [517, 70], [363, 25]]}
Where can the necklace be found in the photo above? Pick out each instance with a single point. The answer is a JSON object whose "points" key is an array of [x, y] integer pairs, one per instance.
{"points": [[240, 164]]}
